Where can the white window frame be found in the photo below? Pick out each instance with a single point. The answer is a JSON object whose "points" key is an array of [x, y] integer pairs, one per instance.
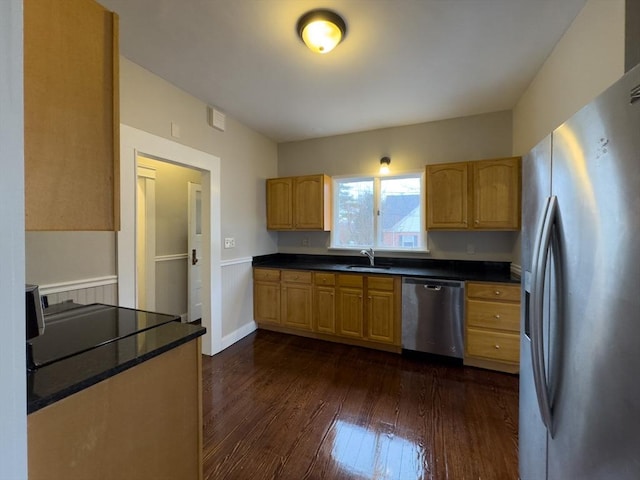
{"points": [[377, 231]]}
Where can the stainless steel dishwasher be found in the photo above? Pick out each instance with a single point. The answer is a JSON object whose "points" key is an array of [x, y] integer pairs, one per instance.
{"points": [[433, 316]]}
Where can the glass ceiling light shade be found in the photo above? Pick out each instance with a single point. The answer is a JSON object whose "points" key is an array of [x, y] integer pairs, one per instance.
{"points": [[384, 165], [321, 30]]}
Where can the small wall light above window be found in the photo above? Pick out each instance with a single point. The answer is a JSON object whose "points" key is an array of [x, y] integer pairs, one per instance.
{"points": [[384, 165], [321, 30]]}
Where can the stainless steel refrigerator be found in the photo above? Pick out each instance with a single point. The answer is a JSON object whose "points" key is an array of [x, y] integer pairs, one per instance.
{"points": [[580, 340]]}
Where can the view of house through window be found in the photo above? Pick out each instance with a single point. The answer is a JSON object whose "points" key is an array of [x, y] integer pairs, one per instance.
{"points": [[379, 212]]}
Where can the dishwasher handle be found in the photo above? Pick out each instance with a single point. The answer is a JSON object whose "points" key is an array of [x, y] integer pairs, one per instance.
{"points": [[432, 284]]}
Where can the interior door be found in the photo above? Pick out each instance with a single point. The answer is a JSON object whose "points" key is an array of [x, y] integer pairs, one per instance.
{"points": [[536, 168], [195, 252]]}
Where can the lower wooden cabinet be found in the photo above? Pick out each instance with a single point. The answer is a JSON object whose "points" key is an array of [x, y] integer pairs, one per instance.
{"points": [[324, 303], [492, 326], [349, 308], [295, 298], [266, 296], [382, 310]]}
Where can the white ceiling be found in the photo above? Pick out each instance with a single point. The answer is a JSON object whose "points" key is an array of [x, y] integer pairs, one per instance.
{"points": [[402, 61]]}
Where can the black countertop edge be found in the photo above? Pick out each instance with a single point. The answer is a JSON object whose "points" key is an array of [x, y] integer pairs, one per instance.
{"points": [[488, 271], [59, 380]]}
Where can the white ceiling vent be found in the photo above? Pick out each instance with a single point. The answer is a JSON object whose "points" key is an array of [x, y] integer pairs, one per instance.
{"points": [[216, 118]]}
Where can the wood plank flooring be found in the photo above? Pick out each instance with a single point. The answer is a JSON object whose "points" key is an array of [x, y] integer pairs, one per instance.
{"points": [[284, 407]]}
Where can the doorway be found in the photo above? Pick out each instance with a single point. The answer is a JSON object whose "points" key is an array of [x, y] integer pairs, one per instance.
{"points": [[168, 278], [134, 142]]}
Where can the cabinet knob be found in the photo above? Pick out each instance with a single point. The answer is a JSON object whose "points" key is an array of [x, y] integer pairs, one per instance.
{"points": [[497, 316], [497, 292], [497, 347]]}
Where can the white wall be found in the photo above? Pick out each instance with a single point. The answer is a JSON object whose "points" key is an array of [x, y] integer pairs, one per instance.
{"points": [[13, 401], [586, 60], [410, 148]]}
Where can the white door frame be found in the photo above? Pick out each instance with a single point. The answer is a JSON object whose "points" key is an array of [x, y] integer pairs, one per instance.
{"points": [[132, 142], [146, 238], [194, 253]]}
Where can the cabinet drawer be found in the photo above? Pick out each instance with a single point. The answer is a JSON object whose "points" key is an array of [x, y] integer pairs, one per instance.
{"points": [[296, 276], [498, 315], [350, 281], [380, 283], [493, 345], [494, 291], [266, 274], [325, 278]]}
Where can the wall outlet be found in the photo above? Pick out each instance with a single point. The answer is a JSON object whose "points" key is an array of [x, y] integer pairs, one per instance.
{"points": [[229, 242], [471, 249], [305, 242]]}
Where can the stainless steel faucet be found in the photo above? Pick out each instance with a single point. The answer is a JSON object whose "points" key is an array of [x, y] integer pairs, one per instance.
{"points": [[369, 253]]}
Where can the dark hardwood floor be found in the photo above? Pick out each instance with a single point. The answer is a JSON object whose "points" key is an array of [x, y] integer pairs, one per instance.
{"points": [[285, 407]]}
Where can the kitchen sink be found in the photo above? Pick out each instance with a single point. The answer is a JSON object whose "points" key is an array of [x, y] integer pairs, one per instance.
{"points": [[368, 267]]}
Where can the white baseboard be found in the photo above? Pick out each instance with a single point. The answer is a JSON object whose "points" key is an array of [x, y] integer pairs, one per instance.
{"points": [[239, 334]]}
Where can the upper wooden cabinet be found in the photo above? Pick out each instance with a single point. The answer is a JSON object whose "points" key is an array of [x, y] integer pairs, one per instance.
{"points": [[481, 195], [71, 116], [447, 196], [299, 203]]}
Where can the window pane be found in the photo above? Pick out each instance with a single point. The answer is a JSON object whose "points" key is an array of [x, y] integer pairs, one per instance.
{"points": [[400, 212], [353, 226]]}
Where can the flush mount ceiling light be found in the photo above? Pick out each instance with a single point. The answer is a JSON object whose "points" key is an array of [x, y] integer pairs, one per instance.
{"points": [[321, 30], [384, 165]]}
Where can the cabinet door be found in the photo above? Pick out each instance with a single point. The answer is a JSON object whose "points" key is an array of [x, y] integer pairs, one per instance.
{"points": [[324, 309], [380, 316], [266, 302], [71, 117], [296, 305], [447, 196], [311, 194], [350, 312], [496, 197], [279, 203]]}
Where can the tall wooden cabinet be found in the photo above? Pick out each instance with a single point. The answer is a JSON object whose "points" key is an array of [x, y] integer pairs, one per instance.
{"points": [[480, 195], [71, 116], [299, 203]]}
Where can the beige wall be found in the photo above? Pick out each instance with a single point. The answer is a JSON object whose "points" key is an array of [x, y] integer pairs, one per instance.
{"points": [[55, 257], [149, 103], [588, 59], [410, 148]]}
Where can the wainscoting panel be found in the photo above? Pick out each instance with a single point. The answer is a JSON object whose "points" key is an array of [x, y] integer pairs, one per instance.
{"points": [[86, 291], [237, 307]]}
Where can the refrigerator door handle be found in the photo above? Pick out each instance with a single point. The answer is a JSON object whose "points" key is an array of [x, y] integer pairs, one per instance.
{"points": [[537, 314]]}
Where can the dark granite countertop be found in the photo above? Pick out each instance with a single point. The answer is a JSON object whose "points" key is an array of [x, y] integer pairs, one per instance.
{"points": [[71, 373], [479, 271]]}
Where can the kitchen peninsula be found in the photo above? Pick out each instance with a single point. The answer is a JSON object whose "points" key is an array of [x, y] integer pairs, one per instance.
{"points": [[127, 406]]}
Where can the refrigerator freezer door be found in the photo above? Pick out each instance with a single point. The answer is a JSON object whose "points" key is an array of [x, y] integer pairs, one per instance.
{"points": [[536, 174], [595, 354]]}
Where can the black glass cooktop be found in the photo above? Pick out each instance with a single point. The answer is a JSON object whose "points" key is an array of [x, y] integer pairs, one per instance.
{"points": [[78, 328]]}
